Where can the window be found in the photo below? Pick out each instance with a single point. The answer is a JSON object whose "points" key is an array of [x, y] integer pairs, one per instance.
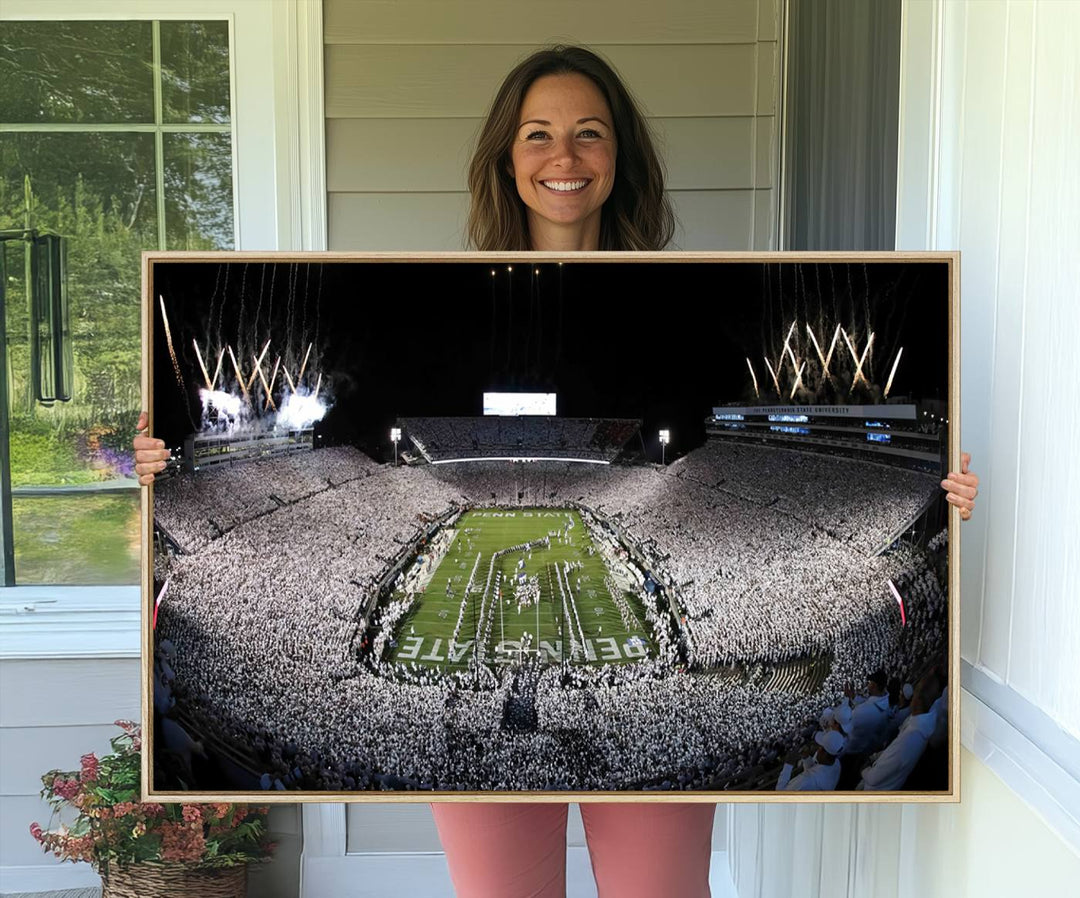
{"points": [[117, 136]]}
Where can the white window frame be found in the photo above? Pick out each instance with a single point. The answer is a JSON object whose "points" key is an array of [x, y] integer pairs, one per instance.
{"points": [[279, 201]]}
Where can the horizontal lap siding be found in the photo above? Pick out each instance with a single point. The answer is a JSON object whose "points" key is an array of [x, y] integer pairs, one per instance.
{"points": [[460, 80], [379, 155], [52, 713], [530, 23], [408, 84], [56, 710]]}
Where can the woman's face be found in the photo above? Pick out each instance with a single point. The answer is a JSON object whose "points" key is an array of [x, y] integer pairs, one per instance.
{"points": [[563, 160]]}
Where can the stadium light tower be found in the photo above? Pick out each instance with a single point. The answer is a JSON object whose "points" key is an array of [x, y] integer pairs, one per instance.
{"points": [[665, 438], [395, 435]]}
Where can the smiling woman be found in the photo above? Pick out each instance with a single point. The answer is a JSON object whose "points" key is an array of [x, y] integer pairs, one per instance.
{"points": [[563, 160], [563, 116]]}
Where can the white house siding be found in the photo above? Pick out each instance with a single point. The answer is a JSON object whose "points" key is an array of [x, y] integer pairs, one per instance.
{"points": [[408, 84], [53, 711]]}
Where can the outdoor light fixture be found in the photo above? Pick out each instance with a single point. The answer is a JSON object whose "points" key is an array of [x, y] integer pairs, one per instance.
{"points": [[395, 435]]}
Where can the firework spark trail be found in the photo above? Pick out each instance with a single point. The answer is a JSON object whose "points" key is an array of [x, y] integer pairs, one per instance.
{"points": [[757, 393], [817, 348], [266, 386], [866, 312], [832, 346], [288, 377], [766, 292], [820, 304], [791, 354], [863, 359], [294, 275], [795, 290], [892, 374], [859, 361], [241, 331], [798, 380], [198, 355], [300, 376], [172, 352], [786, 348], [270, 307], [832, 292], [318, 315], [850, 346], [540, 328], [780, 293], [256, 371], [221, 307], [273, 380], [800, 277], [258, 305], [213, 303], [239, 376], [895, 312], [318, 384], [510, 318], [776, 383], [304, 305], [217, 370], [258, 362]]}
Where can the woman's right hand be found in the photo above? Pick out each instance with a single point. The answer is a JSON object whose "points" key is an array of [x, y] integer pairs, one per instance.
{"points": [[150, 454]]}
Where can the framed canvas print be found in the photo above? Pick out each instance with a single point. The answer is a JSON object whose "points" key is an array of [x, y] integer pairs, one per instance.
{"points": [[530, 527]]}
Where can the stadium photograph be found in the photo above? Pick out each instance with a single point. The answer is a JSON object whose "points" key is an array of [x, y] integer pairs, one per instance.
{"points": [[645, 524]]}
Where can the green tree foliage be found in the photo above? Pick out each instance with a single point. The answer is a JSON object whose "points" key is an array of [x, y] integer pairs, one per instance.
{"points": [[99, 190]]}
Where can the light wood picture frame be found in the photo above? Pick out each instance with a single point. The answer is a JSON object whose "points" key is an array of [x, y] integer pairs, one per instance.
{"points": [[329, 616]]}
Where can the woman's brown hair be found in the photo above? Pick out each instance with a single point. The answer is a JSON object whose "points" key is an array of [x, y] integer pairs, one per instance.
{"points": [[637, 214]]}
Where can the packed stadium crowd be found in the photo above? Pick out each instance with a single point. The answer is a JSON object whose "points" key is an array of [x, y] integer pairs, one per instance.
{"points": [[875, 741], [758, 548], [498, 436]]}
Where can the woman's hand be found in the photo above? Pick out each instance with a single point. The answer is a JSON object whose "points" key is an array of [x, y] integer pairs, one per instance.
{"points": [[150, 454], [962, 488]]}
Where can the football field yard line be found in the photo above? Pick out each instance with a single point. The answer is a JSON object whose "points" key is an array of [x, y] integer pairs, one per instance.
{"points": [[487, 531]]}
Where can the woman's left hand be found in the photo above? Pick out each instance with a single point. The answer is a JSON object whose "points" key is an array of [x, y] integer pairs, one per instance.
{"points": [[962, 488]]}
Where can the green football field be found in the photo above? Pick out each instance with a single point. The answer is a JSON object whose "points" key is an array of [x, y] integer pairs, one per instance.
{"points": [[424, 635]]}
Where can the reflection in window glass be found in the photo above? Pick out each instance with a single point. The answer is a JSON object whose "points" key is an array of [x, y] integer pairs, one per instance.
{"points": [[55, 72], [97, 190], [195, 71], [75, 502], [78, 540], [198, 191]]}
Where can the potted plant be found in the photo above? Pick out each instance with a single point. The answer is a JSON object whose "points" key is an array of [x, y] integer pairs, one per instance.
{"points": [[144, 848]]}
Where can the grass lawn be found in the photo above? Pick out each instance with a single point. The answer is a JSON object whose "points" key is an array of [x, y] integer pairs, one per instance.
{"points": [[77, 539], [424, 635]]}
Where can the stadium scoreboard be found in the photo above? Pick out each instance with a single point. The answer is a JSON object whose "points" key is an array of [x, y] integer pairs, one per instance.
{"points": [[519, 403]]}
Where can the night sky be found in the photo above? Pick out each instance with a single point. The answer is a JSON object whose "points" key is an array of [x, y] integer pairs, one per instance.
{"points": [[661, 341]]}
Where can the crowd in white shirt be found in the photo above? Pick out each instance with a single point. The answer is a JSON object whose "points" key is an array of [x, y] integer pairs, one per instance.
{"points": [[764, 550]]}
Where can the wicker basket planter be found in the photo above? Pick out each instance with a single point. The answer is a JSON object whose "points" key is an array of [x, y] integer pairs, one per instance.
{"points": [[174, 881]]}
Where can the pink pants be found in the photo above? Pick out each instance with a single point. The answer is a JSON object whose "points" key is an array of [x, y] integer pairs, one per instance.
{"points": [[639, 850]]}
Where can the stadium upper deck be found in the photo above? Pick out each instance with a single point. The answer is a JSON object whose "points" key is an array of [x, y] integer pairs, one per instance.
{"points": [[897, 434], [525, 437]]}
